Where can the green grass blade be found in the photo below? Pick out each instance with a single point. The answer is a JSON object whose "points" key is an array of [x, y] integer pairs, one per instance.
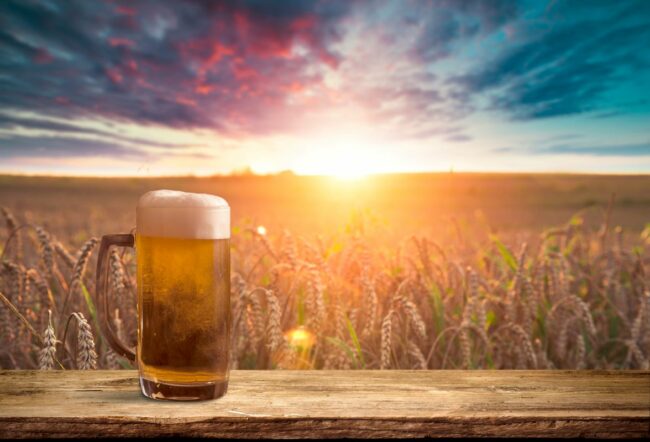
{"points": [[505, 253], [355, 341], [342, 345], [438, 308]]}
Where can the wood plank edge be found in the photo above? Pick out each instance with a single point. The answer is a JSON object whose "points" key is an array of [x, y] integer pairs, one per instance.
{"points": [[611, 427]]}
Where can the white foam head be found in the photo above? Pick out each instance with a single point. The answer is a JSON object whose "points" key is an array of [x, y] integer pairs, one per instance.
{"points": [[174, 214]]}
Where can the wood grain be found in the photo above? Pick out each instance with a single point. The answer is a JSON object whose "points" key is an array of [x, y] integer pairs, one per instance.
{"points": [[283, 404]]}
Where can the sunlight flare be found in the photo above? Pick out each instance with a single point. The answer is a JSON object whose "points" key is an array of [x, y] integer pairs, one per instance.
{"points": [[344, 157]]}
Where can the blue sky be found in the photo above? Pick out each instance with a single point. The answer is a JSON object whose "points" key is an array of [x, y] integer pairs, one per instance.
{"points": [[161, 87]]}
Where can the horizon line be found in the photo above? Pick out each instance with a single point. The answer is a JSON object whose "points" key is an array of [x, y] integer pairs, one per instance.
{"points": [[285, 173]]}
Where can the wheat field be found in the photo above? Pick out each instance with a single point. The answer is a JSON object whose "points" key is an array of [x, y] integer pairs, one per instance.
{"points": [[576, 296]]}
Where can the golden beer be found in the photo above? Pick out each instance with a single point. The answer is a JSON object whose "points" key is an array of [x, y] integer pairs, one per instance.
{"points": [[184, 310], [182, 245]]}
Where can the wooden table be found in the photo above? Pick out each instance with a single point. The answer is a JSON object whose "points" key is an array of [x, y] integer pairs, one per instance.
{"points": [[280, 404]]}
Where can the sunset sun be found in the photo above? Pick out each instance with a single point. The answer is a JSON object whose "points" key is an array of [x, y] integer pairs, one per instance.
{"points": [[345, 157]]}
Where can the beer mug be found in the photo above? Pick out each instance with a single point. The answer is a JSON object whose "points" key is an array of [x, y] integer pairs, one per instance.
{"points": [[182, 247]]}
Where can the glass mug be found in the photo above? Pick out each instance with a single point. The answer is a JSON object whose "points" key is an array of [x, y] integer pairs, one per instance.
{"points": [[182, 245]]}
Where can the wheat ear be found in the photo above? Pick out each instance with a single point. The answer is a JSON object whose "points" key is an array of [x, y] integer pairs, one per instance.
{"points": [[386, 337], [370, 296], [86, 356], [47, 252], [416, 353], [254, 316], [48, 352], [525, 344], [315, 301], [12, 228], [415, 319], [80, 265], [63, 253], [117, 273], [465, 346], [273, 327]]}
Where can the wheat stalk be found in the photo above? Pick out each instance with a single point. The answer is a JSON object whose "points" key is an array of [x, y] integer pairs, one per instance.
{"points": [[635, 352], [11, 307], [580, 352]]}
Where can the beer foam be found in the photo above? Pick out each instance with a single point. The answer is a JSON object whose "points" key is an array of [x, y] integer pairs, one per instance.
{"points": [[175, 214]]}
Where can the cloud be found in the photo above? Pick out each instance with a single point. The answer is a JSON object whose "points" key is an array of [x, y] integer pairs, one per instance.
{"points": [[253, 68], [445, 24], [61, 147], [21, 146], [569, 65], [241, 67], [217, 65], [459, 138], [11, 122], [622, 150]]}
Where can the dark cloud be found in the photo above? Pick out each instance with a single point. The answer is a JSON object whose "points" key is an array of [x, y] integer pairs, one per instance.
{"points": [[202, 64]]}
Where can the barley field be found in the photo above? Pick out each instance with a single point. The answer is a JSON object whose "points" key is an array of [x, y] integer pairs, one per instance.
{"points": [[412, 272]]}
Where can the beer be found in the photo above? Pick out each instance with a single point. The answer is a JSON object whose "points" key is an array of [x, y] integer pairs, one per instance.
{"points": [[183, 278]]}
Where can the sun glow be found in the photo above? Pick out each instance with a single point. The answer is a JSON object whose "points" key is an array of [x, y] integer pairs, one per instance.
{"points": [[342, 157]]}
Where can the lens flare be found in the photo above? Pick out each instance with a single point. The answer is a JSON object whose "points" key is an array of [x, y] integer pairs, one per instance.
{"points": [[300, 338]]}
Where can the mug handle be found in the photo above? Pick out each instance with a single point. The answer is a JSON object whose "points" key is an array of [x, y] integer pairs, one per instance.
{"points": [[120, 240]]}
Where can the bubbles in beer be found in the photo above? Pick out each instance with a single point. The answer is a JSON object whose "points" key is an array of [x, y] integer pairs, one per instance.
{"points": [[184, 297]]}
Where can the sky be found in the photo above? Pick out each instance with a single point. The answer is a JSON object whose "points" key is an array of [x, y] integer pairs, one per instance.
{"points": [[146, 88]]}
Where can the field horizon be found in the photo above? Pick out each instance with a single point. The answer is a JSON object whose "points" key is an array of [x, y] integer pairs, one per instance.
{"points": [[403, 204]]}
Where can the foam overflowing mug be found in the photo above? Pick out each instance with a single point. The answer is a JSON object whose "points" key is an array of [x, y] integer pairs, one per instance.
{"points": [[182, 245]]}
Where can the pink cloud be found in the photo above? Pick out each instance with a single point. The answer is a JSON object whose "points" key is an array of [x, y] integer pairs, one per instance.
{"points": [[125, 10], [114, 75], [115, 42], [43, 56]]}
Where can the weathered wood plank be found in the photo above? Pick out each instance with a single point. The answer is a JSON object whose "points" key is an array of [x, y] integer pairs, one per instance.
{"points": [[281, 404]]}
